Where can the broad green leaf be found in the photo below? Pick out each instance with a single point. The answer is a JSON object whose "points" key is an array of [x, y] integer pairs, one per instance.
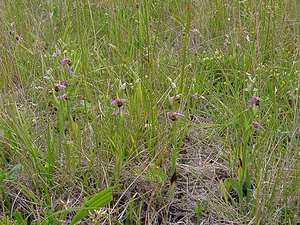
{"points": [[99, 200]]}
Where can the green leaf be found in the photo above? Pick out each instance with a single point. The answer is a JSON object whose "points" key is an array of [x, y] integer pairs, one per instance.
{"points": [[19, 218], [227, 185], [239, 188], [13, 171], [99, 200], [248, 185], [29, 194], [241, 174]]}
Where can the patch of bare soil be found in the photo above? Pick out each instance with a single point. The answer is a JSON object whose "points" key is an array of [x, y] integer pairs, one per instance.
{"points": [[200, 168]]}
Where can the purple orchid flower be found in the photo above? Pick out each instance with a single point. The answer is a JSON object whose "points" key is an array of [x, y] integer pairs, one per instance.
{"points": [[254, 100], [195, 95], [66, 61], [62, 85], [57, 52], [256, 125], [70, 71], [175, 98], [120, 111], [19, 37], [118, 101], [63, 97], [174, 115]]}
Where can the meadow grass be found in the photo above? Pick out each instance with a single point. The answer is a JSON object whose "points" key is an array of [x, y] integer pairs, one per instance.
{"points": [[149, 112]]}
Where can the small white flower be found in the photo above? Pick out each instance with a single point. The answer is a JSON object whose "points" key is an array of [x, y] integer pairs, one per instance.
{"points": [[49, 71], [247, 38], [123, 86], [46, 78]]}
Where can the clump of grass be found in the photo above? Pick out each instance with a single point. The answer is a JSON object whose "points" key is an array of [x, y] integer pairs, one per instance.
{"points": [[192, 106]]}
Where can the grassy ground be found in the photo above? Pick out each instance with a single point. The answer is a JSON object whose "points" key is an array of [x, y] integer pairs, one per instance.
{"points": [[204, 128]]}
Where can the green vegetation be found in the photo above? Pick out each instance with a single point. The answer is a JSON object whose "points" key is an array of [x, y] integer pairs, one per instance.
{"points": [[149, 112]]}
